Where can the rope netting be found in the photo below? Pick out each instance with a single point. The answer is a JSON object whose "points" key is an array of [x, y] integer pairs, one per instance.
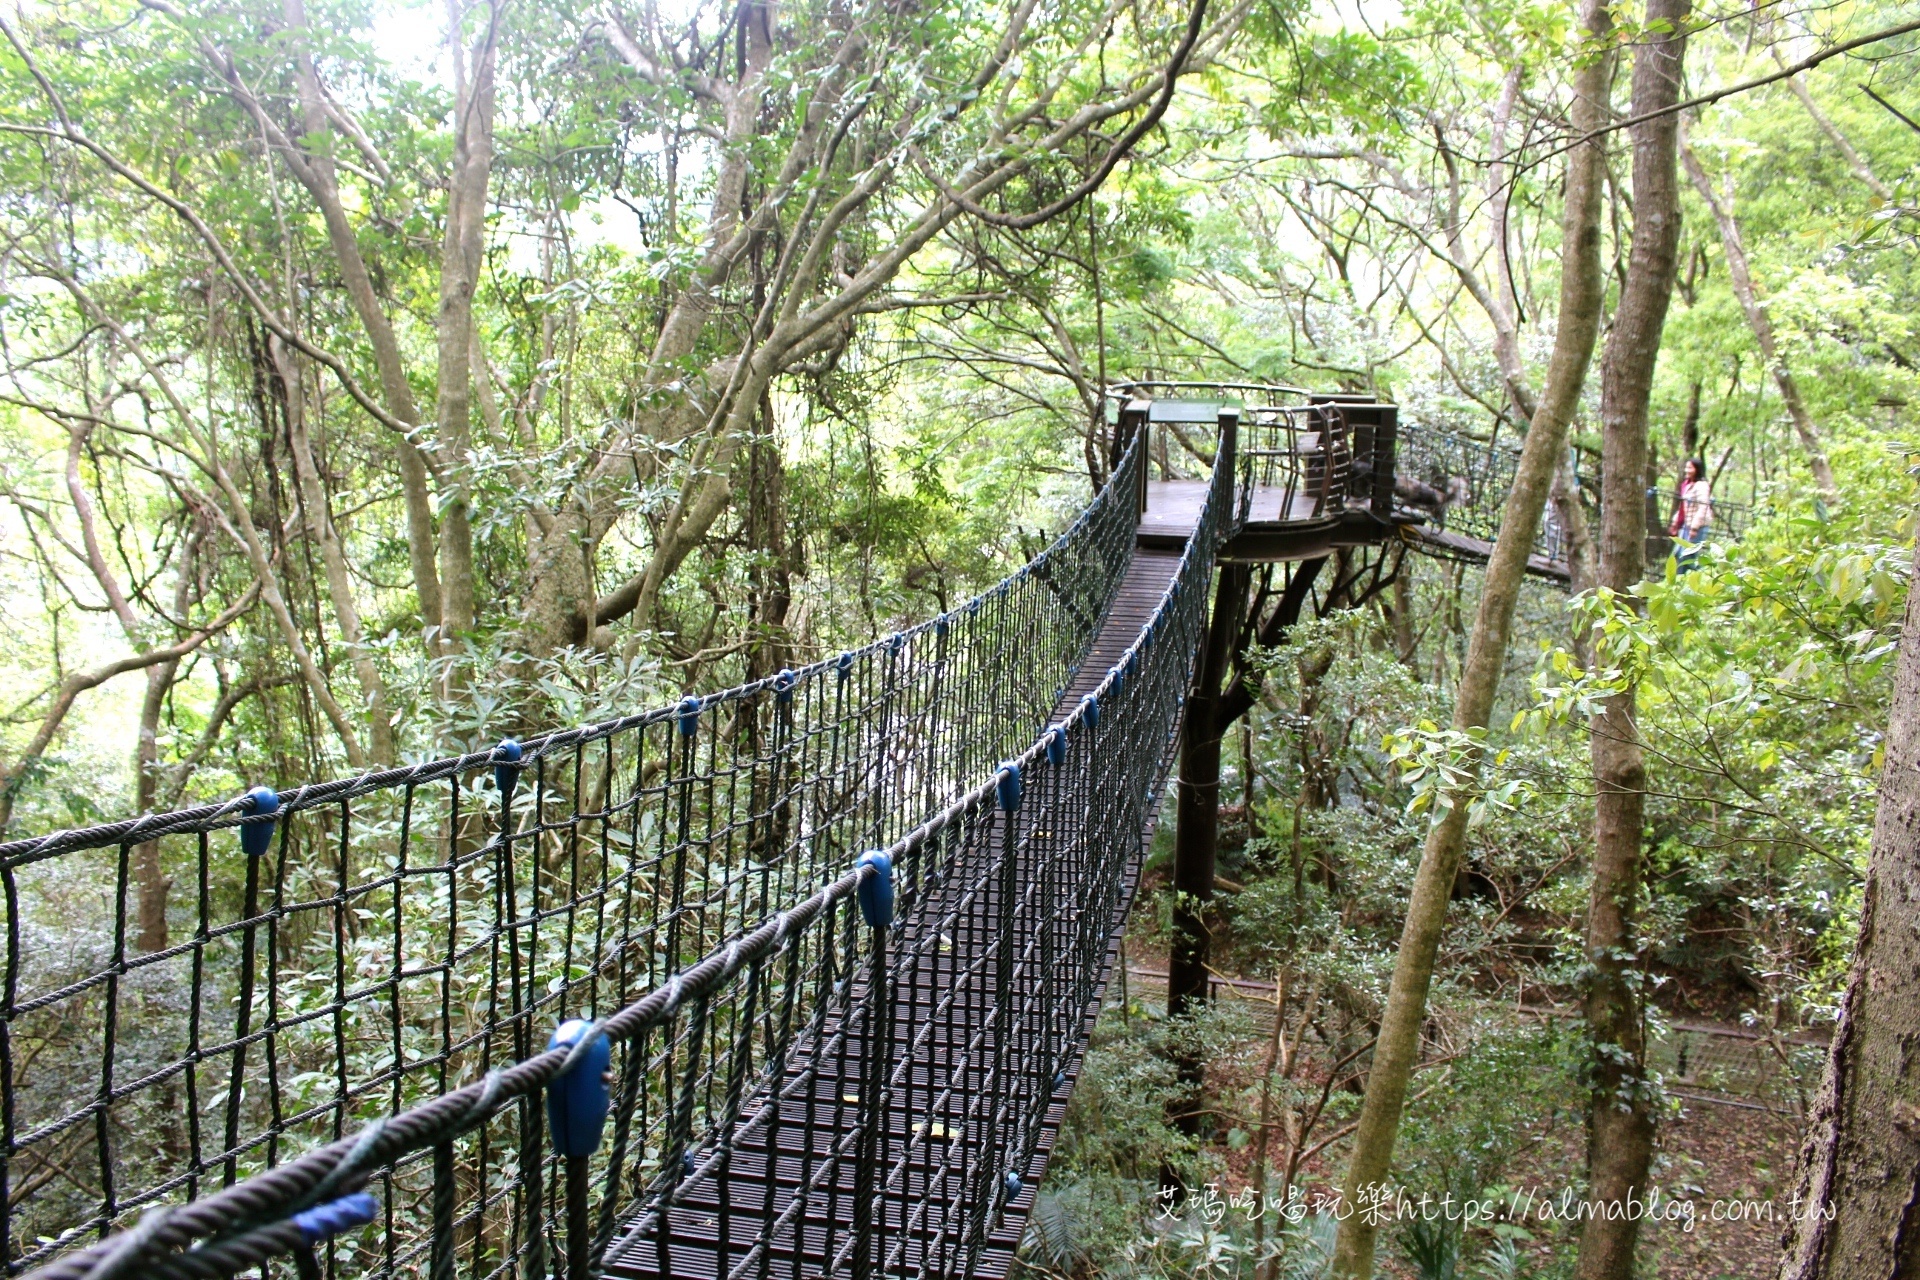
{"points": [[367, 947], [802, 1063]]}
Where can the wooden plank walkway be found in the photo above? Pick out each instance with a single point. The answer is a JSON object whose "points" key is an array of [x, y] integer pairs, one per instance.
{"points": [[713, 1230], [1458, 546], [1173, 508]]}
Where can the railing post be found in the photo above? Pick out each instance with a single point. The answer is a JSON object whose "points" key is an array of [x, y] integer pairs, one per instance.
{"points": [[1134, 421], [1226, 458], [1386, 442]]}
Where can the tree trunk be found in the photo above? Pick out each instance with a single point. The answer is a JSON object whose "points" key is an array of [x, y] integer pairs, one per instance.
{"points": [[315, 171], [154, 882], [1620, 1116], [459, 277], [333, 558], [1857, 1208], [1406, 643], [1859, 1192], [1576, 535], [1740, 276], [1397, 1049]]}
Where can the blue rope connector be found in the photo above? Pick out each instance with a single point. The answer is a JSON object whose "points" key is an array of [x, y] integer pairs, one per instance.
{"points": [[783, 685], [844, 664], [506, 766], [577, 1097], [1118, 677], [896, 640], [1007, 786], [1059, 1081], [1091, 710], [689, 717], [1057, 744], [257, 837], [1013, 1184], [686, 1164], [876, 891], [324, 1221], [940, 625]]}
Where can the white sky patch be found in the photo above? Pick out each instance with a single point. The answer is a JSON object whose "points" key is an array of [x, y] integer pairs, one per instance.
{"points": [[410, 36]]}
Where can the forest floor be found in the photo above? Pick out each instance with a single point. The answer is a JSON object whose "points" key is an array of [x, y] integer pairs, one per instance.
{"points": [[1725, 1163], [1733, 1166]]}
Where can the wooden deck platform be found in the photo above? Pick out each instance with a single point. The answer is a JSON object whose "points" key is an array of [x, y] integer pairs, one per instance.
{"points": [[1173, 509]]}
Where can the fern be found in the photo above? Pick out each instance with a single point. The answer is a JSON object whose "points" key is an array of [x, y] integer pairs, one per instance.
{"points": [[1053, 1239]]}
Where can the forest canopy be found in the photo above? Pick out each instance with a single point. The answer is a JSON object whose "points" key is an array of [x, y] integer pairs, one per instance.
{"points": [[379, 380]]}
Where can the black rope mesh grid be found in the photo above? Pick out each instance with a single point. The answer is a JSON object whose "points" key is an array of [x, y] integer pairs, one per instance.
{"points": [[351, 949], [883, 1042], [1472, 478]]}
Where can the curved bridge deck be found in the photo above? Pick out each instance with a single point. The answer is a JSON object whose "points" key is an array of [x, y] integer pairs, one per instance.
{"points": [[805, 1084], [941, 1020]]}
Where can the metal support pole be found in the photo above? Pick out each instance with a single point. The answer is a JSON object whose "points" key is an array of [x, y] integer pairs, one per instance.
{"points": [[876, 895]]}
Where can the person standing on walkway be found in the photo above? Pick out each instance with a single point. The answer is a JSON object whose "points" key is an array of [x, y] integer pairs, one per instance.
{"points": [[1693, 516]]}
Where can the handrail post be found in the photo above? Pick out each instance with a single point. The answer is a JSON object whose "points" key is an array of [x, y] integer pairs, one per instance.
{"points": [[877, 900], [1386, 441], [1135, 421], [1226, 458]]}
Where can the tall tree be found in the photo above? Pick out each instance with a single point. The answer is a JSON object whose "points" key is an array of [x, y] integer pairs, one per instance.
{"points": [[1621, 1109], [1397, 1050], [1856, 1212]]}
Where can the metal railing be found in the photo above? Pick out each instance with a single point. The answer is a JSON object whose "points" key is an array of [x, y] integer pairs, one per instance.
{"points": [[1301, 457]]}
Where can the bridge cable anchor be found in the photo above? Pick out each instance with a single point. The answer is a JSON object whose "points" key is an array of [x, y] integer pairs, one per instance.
{"points": [[506, 770], [1007, 786], [876, 892], [1057, 745]]}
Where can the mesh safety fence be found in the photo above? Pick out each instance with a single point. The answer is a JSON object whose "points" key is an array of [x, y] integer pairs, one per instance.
{"points": [[355, 949], [840, 1068]]}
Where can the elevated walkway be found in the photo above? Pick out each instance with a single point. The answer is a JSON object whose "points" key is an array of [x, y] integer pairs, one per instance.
{"points": [[964, 1068], [835, 938]]}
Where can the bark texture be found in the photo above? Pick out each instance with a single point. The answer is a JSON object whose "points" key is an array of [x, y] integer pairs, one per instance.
{"points": [[1620, 1116], [1858, 1205], [1397, 1050]]}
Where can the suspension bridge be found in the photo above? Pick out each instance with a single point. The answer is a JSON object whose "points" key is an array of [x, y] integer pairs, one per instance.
{"points": [[791, 979]]}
